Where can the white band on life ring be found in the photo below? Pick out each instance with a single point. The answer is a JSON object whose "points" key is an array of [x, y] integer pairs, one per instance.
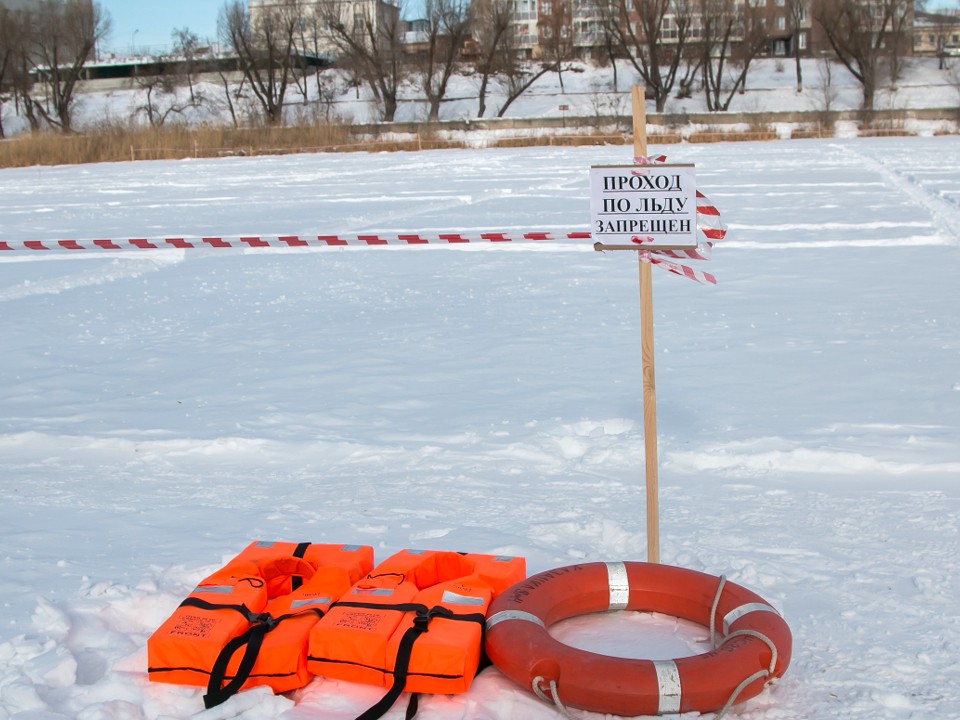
{"points": [[738, 612], [619, 585], [668, 681], [513, 615]]}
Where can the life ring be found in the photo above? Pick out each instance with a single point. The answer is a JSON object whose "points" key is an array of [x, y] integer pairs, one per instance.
{"points": [[752, 643]]}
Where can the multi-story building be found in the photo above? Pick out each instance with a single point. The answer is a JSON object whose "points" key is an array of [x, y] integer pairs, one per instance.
{"points": [[791, 28], [936, 34], [788, 24], [317, 19], [539, 26], [524, 18], [588, 25]]}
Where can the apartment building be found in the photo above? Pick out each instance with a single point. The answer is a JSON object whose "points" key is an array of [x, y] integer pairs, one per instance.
{"points": [[790, 25], [318, 17], [541, 26]]}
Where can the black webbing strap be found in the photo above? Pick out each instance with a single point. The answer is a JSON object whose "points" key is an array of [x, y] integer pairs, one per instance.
{"points": [[296, 582], [402, 665], [251, 641], [204, 605]]}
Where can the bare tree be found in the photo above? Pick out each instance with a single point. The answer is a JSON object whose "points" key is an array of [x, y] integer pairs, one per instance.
{"points": [[370, 38], [859, 32], [733, 34], [502, 51], [264, 46], [797, 12], [447, 30], [159, 98], [490, 22], [186, 45], [609, 44], [7, 46], [162, 98], [231, 93], [60, 39], [517, 78], [310, 42], [21, 79], [899, 42], [653, 35], [556, 36], [825, 93]]}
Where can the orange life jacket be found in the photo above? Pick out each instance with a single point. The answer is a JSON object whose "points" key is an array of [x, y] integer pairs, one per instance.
{"points": [[264, 601], [415, 623]]}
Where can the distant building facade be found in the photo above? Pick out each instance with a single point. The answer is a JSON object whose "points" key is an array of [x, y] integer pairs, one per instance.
{"points": [[539, 26], [936, 34], [789, 24], [316, 31]]}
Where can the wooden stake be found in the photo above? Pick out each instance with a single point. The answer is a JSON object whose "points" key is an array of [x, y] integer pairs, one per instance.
{"points": [[647, 356]]}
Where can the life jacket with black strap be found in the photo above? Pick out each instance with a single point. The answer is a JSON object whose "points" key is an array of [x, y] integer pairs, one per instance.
{"points": [[248, 623], [414, 624]]}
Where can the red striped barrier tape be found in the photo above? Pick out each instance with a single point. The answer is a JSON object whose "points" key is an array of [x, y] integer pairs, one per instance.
{"points": [[291, 241], [662, 258], [709, 226]]}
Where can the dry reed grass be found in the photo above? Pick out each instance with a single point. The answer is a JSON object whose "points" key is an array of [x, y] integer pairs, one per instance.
{"points": [[116, 142]]}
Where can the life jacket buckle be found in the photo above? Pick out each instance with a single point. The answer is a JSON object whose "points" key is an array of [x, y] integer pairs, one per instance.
{"points": [[422, 619], [265, 619], [424, 616]]}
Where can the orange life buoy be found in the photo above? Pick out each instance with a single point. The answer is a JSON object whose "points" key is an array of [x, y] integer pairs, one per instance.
{"points": [[753, 646]]}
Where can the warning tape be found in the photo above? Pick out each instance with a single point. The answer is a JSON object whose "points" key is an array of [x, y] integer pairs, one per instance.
{"points": [[291, 241], [710, 229]]}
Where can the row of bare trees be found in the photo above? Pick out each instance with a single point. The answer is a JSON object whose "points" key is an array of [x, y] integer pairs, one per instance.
{"points": [[673, 46], [274, 46], [673, 43]]}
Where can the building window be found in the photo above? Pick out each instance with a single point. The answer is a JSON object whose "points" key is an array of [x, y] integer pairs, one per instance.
{"points": [[802, 41], [546, 9], [781, 23]]}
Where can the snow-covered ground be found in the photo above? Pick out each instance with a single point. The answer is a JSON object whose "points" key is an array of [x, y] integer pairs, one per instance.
{"points": [[158, 411]]}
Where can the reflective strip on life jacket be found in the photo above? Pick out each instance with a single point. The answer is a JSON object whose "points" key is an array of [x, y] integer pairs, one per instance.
{"points": [[403, 625]]}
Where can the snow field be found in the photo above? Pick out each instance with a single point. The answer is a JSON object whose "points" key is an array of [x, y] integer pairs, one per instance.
{"points": [[160, 411]]}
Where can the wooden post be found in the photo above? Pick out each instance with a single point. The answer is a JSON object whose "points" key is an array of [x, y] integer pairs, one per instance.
{"points": [[647, 356]]}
